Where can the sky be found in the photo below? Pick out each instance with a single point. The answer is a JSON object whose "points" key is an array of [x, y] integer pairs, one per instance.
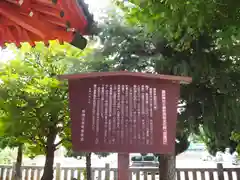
{"points": [[5, 55], [98, 4], [96, 7]]}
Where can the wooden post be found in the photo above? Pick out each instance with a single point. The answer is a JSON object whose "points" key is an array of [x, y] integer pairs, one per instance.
{"points": [[167, 167], [2, 171], [123, 166], [107, 171], [13, 171], [7, 174], [32, 174], [220, 171], [58, 171], [16, 172]]}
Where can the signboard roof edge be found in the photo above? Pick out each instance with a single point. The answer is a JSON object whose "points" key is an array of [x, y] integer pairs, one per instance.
{"points": [[180, 79]]}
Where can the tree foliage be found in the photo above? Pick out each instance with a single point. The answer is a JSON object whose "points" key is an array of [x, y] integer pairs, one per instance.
{"points": [[198, 39], [236, 137], [182, 22], [34, 102], [125, 48]]}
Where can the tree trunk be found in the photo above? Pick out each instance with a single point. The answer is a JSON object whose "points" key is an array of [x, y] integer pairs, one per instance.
{"points": [[88, 166], [167, 167], [50, 149], [18, 173]]}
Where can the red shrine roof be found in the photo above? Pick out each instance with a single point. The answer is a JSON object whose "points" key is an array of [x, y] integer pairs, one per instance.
{"points": [[43, 20]]}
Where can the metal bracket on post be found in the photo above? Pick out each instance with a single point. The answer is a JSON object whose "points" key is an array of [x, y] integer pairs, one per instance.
{"points": [[123, 166]]}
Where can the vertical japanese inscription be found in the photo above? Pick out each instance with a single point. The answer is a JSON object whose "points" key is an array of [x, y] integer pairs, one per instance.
{"points": [[127, 123], [146, 113], [118, 114], [151, 113], [125, 111], [106, 115], [110, 107], [130, 122], [143, 118], [94, 105], [114, 112], [122, 109], [134, 112], [164, 117], [138, 120], [83, 117]]}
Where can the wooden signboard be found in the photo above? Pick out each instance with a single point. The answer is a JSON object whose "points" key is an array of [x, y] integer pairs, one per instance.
{"points": [[124, 112]]}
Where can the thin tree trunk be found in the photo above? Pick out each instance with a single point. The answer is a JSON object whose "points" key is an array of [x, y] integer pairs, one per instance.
{"points": [[167, 167], [50, 149], [18, 173], [88, 166]]}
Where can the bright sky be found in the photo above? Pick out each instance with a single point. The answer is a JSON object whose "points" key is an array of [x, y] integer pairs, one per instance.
{"points": [[5, 55], [98, 4]]}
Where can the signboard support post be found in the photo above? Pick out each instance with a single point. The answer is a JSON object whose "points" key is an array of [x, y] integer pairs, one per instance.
{"points": [[123, 166]]}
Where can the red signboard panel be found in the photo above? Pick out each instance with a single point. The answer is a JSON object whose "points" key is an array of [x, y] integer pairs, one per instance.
{"points": [[123, 114]]}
